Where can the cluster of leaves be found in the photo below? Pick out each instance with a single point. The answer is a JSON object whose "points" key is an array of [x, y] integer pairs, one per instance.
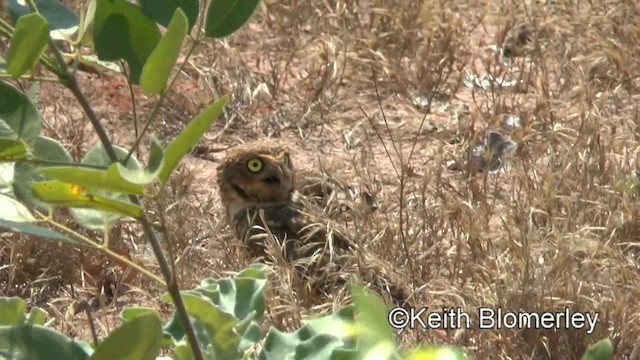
{"points": [[226, 314]]}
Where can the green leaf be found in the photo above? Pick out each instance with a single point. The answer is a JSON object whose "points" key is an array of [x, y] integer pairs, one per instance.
{"points": [[340, 324], [182, 351], [602, 350], [151, 172], [12, 311], [281, 345], [121, 31], [375, 335], [189, 137], [218, 324], [33, 92], [12, 150], [62, 21], [96, 220], [26, 174], [137, 339], [58, 193], [35, 342], [157, 69], [116, 178], [27, 44], [161, 11], [11, 209], [131, 313], [35, 230], [94, 179], [3, 65], [436, 353], [242, 296], [371, 314], [19, 114], [224, 17], [37, 316], [319, 347]]}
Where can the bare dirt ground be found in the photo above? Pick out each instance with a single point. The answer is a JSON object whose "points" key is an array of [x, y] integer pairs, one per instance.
{"points": [[556, 227]]}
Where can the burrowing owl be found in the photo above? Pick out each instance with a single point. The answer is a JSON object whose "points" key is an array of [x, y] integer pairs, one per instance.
{"points": [[257, 184]]}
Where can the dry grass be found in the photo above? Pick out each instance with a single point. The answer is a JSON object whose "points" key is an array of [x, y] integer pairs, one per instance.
{"points": [[558, 228]]}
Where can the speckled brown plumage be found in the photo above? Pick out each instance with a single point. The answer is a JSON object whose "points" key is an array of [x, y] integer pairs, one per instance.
{"points": [[265, 208]]}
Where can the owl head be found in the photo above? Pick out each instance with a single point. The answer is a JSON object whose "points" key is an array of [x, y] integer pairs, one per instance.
{"points": [[257, 174]]}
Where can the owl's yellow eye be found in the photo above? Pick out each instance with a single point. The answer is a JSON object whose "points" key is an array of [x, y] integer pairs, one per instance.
{"points": [[254, 165]]}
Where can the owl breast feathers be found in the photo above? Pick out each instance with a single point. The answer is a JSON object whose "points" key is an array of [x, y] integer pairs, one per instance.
{"points": [[257, 185]]}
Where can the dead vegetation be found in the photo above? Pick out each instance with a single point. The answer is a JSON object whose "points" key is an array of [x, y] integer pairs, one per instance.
{"points": [[557, 226]]}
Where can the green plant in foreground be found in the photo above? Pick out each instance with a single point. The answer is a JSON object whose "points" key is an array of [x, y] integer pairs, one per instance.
{"points": [[226, 315]]}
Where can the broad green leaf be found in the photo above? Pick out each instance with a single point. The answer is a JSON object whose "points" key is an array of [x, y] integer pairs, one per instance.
{"points": [[11, 209], [253, 271], [33, 92], [27, 173], [96, 220], [224, 17], [602, 350], [375, 335], [243, 297], [157, 69], [28, 228], [161, 11], [12, 311], [182, 351], [12, 150], [319, 347], [121, 31], [238, 296], [34, 342], [371, 314], [37, 316], [19, 114], [219, 325], [62, 21], [131, 313], [27, 44], [328, 337], [137, 339], [280, 345], [150, 173], [58, 193], [436, 353], [93, 178], [189, 137], [340, 324]]}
